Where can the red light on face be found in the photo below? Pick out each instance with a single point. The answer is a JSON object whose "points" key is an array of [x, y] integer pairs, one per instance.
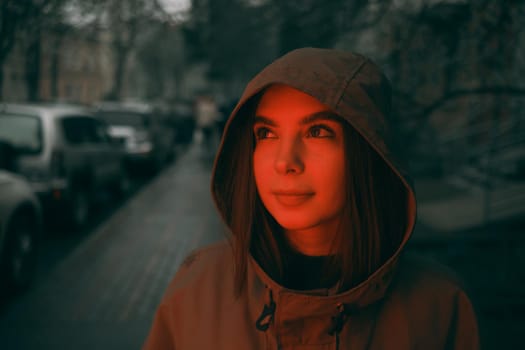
{"points": [[288, 200], [299, 161]]}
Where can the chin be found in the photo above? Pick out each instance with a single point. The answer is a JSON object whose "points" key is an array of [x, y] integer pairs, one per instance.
{"points": [[296, 222]]}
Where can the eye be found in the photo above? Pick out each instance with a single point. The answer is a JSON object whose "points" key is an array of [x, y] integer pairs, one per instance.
{"points": [[320, 131], [262, 133]]}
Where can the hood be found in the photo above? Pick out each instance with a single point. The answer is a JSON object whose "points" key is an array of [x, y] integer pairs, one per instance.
{"points": [[354, 88]]}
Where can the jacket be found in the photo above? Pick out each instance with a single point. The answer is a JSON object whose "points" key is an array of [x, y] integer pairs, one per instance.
{"points": [[407, 303]]}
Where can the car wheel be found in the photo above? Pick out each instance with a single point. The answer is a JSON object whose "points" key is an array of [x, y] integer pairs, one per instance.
{"points": [[155, 166], [21, 253], [123, 185], [79, 209]]}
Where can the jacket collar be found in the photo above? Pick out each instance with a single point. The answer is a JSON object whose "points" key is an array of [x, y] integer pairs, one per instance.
{"points": [[313, 316]]}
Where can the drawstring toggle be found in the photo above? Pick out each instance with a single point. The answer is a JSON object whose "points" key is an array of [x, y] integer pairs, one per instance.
{"points": [[266, 317], [339, 319]]}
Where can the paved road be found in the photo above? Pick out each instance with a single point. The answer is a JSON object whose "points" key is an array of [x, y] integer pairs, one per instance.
{"points": [[103, 295]]}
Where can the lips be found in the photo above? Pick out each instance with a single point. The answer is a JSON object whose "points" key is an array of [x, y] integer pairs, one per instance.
{"points": [[292, 198]]}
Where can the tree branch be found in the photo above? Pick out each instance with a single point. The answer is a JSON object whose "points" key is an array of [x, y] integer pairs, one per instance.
{"points": [[424, 113]]}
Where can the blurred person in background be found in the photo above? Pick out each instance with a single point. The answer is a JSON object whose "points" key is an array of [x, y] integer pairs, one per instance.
{"points": [[207, 115], [320, 211]]}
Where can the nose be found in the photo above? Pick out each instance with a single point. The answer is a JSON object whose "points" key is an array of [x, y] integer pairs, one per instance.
{"points": [[289, 158]]}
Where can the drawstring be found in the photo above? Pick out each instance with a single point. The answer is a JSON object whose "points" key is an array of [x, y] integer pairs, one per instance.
{"points": [[266, 317], [338, 321]]}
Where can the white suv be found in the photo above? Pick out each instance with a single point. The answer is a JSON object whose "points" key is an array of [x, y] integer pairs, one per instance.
{"points": [[147, 137], [66, 155], [20, 227]]}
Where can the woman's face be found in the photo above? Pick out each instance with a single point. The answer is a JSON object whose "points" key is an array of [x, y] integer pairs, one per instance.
{"points": [[299, 161]]}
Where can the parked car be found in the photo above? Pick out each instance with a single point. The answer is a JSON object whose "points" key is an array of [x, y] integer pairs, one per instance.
{"points": [[20, 228], [178, 115], [146, 136], [66, 155]]}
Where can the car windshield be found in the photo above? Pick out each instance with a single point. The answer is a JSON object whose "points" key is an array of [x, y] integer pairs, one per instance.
{"points": [[21, 131], [124, 118]]}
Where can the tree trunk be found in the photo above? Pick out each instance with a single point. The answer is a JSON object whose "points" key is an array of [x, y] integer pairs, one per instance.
{"points": [[55, 65], [33, 68], [118, 74], [1, 80]]}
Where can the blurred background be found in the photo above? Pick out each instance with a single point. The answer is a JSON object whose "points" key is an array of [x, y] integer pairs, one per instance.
{"points": [[111, 112]]}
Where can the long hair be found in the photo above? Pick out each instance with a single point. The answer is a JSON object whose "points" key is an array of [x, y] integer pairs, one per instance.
{"points": [[374, 217]]}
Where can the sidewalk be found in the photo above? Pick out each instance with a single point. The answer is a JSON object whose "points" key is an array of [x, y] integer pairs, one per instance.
{"points": [[103, 296]]}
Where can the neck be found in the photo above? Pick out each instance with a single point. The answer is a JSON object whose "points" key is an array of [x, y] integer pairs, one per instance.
{"points": [[312, 242]]}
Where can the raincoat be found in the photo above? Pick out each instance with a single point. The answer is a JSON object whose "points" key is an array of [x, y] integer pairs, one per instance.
{"points": [[407, 303]]}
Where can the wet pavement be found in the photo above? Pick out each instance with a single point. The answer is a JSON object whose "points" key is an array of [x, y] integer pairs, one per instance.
{"points": [[104, 293]]}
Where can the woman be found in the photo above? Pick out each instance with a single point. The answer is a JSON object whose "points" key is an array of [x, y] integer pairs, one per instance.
{"points": [[319, 213]]}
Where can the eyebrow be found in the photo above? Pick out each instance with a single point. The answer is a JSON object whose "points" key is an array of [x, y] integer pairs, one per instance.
{"points": [[314, 117]]}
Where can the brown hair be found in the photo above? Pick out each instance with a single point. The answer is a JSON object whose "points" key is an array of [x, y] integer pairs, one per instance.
{"points": [[374, 217]]}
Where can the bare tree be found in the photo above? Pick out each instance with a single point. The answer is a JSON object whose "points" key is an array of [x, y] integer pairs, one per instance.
{"points": [[123, 20], [233, 36], [474, 51], [32, 42], [22, 22], [319, 23], [13, 15], [469, 69], [162, 58]]}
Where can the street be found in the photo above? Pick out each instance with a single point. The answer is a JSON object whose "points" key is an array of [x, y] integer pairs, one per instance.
{"points": [[99, 290]]}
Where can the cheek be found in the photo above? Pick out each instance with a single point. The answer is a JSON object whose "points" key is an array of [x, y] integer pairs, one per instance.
{"points": [[261, 169], [334, 179]]}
